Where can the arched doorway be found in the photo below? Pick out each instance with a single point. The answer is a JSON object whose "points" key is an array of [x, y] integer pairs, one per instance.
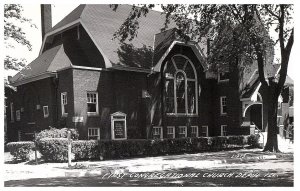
{"points": [[253, 112]]}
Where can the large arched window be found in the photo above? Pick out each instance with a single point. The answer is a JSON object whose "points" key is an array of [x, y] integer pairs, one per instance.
{"points": [[180, 86]]}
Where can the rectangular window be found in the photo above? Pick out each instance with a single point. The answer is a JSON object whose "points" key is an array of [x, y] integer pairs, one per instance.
{"points": [[94, 133], [223, 77], [182, 131], [18, 115], [223, 104], [204, 131], [92, 103], [64, 102], [223, 130], [12, 118], [194, 132], [157, 133], [46, 111], [171, 132]]}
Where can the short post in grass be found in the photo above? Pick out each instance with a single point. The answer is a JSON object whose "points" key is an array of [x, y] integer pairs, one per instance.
{"points": [[35, 148], [69, 149]]}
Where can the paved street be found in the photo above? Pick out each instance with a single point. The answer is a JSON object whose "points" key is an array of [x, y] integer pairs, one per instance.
{"points": [[202, 169]]}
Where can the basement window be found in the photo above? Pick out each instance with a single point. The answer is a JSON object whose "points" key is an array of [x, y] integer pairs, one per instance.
{"points": [[171, 132], [157, 133], [223, 130], [194, 132], [94, 133], [204, 131], [182, 131]]}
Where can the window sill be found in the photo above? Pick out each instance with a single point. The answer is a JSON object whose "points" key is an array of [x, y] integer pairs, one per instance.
{"points": [[93, 114], [181, 115], [223, 81]]}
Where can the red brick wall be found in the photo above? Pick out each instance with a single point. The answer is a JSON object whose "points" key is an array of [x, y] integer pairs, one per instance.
{"points": [[117, 91], [29, 95]]}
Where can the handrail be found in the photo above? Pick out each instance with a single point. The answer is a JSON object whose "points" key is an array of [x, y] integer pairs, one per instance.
{"points": [[286, 131]]}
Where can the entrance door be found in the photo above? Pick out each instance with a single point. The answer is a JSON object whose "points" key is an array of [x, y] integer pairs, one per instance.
{"points": [[256, 115]]}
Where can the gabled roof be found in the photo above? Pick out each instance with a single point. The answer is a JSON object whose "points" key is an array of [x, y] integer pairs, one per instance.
{"points": [[101, 22], [254, 83], [50, 61]]}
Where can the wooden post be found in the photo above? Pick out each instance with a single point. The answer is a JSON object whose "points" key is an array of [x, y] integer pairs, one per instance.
{"points": [[35, 149], [69, 149]]}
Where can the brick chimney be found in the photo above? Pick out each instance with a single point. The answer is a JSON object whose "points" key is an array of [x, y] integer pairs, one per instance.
{"points": [[46, 19]]}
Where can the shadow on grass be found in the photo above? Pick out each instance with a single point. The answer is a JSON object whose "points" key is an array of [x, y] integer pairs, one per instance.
{"points": [[240, 177]]}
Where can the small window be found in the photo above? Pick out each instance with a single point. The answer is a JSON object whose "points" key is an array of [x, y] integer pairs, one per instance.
{"points": [[223, 77], [64, 102], [94, 133], [12, 117], [204, 131], [171, 132], [157, 133], [46, 111], [194, 132], [18, 115], [223, 130], [92, 103], [223, 104], [182, 131]]}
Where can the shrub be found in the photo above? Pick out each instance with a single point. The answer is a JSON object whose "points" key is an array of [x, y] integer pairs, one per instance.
{"points": [[53, 149], [253, 140], [57, 133], [56, 149], [85, 149], [21, 150]]}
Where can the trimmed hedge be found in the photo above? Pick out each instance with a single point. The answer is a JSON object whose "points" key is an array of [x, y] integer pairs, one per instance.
{"points": [[57, 133], [53, 149], [56, 149], [20, 150], [253, 140], [85, 149]]}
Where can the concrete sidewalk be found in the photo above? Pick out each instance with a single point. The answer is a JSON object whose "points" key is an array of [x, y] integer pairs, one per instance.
{"points": [[148, 164]]}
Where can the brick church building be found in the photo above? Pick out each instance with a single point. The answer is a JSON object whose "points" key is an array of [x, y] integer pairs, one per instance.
{"points": [[154, 86]]}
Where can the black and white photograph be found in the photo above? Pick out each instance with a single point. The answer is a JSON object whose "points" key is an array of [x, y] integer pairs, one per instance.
{"points": [[148, 95]]}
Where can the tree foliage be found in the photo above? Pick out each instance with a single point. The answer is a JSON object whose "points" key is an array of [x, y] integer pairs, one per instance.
{"points": [[14, 33], [236, 32]]}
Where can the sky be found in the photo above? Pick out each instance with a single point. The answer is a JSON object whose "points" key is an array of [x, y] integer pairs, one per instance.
{"points": [[59, 11]]}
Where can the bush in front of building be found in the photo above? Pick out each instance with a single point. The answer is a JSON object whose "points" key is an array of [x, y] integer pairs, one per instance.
{"points": [[253, 140], [57, 133], [85, 149], [56, 149], [53, 149], [226, 142], [20, 150]]}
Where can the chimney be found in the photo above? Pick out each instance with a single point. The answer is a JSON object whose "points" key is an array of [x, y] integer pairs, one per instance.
{"points": [[46, 19]]}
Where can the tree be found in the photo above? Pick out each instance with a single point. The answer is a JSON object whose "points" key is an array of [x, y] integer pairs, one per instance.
{"points": [[237, 31], [14, 33]]}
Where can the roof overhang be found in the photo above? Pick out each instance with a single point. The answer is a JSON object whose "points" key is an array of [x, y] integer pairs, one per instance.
{"points": [[195, 47], [33, 78]]}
